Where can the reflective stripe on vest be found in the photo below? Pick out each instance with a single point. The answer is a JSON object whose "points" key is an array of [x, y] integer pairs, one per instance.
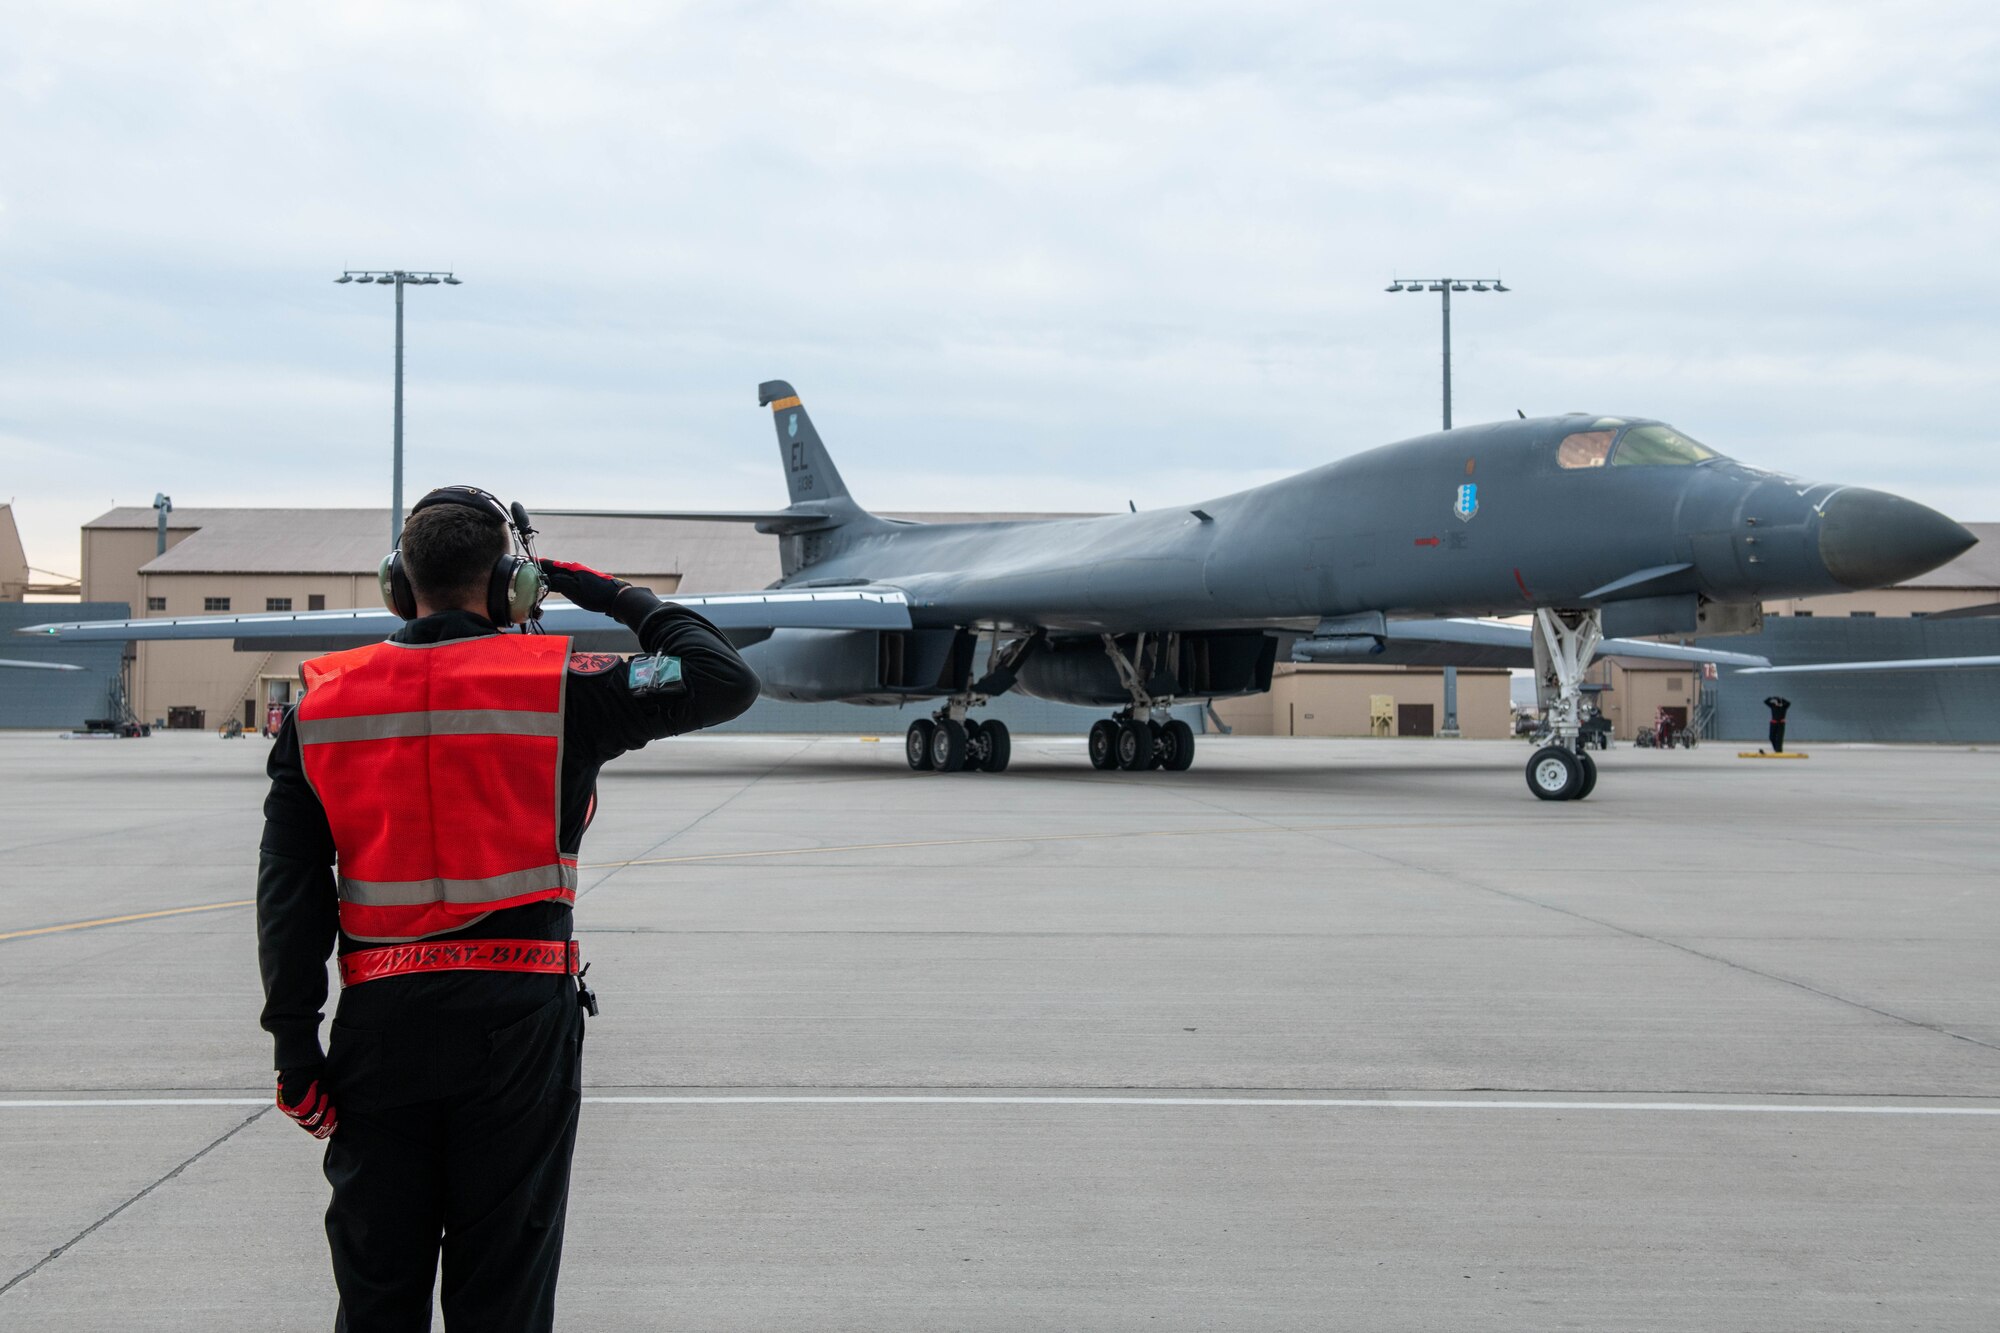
{"points": [[440, 771]]}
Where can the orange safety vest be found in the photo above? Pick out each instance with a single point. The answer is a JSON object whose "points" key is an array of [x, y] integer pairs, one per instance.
{"points": [[440, 767]]}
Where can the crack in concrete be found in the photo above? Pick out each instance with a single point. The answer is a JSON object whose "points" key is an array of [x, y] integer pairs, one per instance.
{"points": [[70, 1244]]}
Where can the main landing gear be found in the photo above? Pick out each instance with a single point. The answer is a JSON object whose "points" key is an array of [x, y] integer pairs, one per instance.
{"points": [[947, 744], [1132, 738], [949, 740], [1128, 742], [1565, 641]]}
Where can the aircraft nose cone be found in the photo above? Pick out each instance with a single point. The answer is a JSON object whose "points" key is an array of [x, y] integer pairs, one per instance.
{"points": [[1871, 539]]}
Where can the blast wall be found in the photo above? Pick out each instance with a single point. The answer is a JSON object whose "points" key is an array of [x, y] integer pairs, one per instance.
{"points": [[1942, 706]]}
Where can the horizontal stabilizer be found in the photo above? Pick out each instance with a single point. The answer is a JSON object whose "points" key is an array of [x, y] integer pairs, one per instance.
{"points": [[868, 607], [770, 520], [679, 515]]}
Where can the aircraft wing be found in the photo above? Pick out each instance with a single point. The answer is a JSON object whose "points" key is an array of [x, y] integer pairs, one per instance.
{"points": [[862, 607], [1893, 664], [14, 665], [1493, 643]]}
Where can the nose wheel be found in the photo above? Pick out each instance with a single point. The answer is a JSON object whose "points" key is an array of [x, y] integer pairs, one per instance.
{"points": [[1565, 641], [1557, 774]]}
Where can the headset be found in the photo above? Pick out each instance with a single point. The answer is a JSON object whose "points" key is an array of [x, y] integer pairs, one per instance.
{"points": [[515, 590]]}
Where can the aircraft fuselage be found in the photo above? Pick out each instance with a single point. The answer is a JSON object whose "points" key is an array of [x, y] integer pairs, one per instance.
{"points": [[1481, 520]]}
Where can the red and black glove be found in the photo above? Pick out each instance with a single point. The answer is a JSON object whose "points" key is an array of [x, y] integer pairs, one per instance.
{"points": [[302, 1095], [588, 588]]}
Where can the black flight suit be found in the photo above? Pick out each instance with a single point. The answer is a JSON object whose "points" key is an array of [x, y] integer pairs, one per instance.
{"points": [[1779, 707], [458, 1092]]}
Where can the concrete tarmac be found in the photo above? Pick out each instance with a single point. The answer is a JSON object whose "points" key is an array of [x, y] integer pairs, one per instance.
{"points": [[1321, 1034]]}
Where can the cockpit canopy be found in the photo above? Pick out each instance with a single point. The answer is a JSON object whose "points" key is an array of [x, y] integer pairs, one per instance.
{"points": [[1619, 443]]}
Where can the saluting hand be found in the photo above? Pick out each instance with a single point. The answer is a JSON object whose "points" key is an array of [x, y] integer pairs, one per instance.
{"points": [[302, 1097], [587, 587]]}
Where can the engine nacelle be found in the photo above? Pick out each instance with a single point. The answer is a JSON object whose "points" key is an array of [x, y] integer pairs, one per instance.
{"points": [[1217, 665], [859, 666]]}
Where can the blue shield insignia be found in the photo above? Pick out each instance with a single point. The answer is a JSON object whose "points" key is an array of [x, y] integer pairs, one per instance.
{"points": [[792, 425], [1468, 501]]}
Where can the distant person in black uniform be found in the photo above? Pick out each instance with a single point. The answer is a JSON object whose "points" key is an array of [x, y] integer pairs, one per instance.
{"points": [[1778, 706], [450, 773]]}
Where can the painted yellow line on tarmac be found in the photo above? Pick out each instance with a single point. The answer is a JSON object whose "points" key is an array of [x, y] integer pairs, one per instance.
{"points": [[1034, 837], [121, 920]]}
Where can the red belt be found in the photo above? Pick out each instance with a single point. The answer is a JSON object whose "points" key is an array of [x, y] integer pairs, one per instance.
{"points": [[557, 956]]}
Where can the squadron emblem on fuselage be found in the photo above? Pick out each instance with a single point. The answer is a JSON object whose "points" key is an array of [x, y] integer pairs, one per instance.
{"points": [[1468, 501]]}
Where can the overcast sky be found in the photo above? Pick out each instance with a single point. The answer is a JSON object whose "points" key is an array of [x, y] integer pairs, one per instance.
{"points": [[1013, 256]]}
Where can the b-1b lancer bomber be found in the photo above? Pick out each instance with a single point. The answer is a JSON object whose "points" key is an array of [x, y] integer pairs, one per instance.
{"points": [[1594, 525], [1588, 525]]}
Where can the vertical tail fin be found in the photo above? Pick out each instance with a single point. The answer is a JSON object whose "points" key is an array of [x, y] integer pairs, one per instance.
{"points": [[809, 471]]}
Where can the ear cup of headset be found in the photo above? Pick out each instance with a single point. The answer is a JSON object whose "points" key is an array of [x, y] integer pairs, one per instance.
{"points": [[526, 590], [397, 594], [517, 587]]}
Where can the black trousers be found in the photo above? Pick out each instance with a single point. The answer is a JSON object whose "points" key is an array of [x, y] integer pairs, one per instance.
{"points": [[458, 1113], [1778, 737]]}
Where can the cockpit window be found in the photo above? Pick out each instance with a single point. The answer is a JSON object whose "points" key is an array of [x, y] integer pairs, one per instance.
{"points": [[1659, 445], [1587, 448]]}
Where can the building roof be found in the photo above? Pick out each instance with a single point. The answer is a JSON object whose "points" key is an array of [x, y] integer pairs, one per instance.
{"points": [[708, 557], [1976, 568]]}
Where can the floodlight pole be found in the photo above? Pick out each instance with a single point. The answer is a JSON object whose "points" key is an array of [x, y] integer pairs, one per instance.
{"points": [[1444, 288], [400, 277], [1447, 351], [396, 487]]}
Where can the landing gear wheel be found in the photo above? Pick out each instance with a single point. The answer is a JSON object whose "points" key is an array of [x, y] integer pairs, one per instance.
{"points": [[1176, 746], [1554, 773], [1589, 783], [975, 746], [1159, 758], [917, 744], [999, 746], [1135, 745], [948, 746], [1104, 744]]}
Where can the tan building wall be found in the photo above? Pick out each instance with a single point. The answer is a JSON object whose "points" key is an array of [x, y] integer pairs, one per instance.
{"points": [[14, 576], [112, 558], [1638, 692], [1320, 700], [209, 676]]}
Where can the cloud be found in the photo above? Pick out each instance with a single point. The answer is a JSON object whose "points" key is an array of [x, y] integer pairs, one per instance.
{"points": [[1005, 251]]}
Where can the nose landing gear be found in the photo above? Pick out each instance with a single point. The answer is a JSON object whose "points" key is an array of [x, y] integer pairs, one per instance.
{"points": [[1565, 641]]}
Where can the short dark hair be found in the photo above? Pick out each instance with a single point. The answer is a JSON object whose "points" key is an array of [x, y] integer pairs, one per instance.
{"points": [[449, 552]]}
